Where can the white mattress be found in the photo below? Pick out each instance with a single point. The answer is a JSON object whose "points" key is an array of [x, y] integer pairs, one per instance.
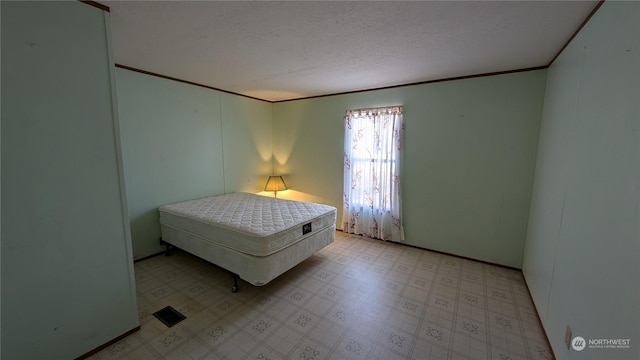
{"points": [[248, 223]]}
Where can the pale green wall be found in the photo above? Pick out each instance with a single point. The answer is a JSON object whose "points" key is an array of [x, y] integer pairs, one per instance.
{"points": [[171, 143], [583, 244], [182, 142], [247, 139], [1, 267], [470, 148], [469, 156], [67, 269]]}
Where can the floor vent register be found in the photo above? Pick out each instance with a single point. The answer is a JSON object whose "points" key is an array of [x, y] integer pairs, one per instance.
{"points": [[169, 316]]}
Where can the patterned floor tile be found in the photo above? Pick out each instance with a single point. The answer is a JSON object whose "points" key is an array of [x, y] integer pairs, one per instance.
{"points": [[356, 299]]}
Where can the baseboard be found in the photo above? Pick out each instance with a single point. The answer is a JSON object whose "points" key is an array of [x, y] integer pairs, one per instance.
{"points": [[438, 251], [106, 345], [149, 256]]}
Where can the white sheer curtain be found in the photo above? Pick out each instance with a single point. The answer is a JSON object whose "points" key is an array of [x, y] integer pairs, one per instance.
{"points": [[372, 178]]}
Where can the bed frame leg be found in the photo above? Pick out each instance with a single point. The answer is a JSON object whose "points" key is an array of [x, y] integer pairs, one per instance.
{"points": [[235, 277], [168, 246]]}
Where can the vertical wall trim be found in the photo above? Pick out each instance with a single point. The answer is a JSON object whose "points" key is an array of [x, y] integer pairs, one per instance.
{"points": [[273, 158], [120, 163], [0, 210], [224, 173]]}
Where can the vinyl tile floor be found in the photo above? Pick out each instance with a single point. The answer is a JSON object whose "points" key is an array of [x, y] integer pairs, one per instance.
{"points": [[358, 298]]}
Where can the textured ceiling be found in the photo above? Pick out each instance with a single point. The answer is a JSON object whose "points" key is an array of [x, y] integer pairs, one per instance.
{"points": [[294, 49]]}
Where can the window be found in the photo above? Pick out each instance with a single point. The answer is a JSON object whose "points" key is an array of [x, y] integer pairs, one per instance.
{"points": [[372, 173]]}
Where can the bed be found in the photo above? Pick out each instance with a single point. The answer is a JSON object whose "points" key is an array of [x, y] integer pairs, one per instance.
{"points": [[255, 238]]}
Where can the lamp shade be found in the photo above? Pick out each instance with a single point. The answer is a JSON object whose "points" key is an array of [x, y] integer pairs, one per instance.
{"points": [[275, 183]]}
